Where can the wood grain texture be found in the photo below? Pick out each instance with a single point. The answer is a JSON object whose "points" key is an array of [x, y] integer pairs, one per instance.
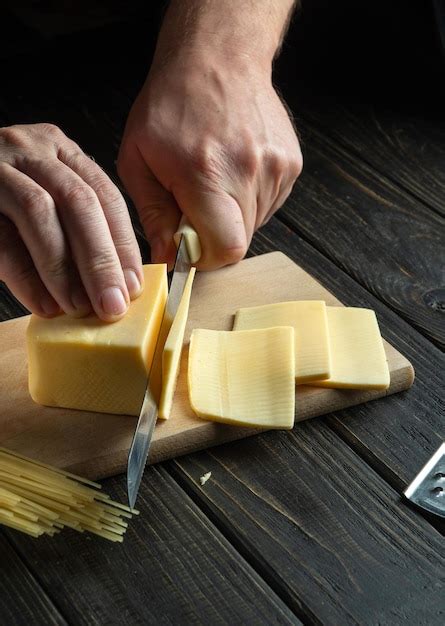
{"points": [[384, 102], [96, 445], [389, 242], [398, 435], [323, 530], [173, 568], [323, 549], [409, 151], [22, 600]]}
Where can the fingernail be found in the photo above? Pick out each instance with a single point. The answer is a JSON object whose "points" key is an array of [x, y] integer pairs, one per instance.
{"points": [[113, 301], [133, 283], [80, 302], [49, 306]]}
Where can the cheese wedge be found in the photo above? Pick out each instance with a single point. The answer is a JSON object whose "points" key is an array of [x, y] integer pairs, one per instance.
{"points": [[171, 355], [93, 365], [244, 378], [308, 319], [358, 354]]}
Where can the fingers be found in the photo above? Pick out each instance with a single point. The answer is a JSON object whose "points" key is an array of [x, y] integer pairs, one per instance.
{"points": [[219, 222], [17, 270], [281, 172], [115, 211], [157, 208], [88, 234], [33, 212]]}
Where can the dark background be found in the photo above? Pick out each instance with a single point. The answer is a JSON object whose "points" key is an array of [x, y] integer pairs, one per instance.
{"points": [[305, 525]]}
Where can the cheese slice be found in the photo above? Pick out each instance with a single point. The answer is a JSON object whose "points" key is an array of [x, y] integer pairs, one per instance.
{"points": [[244, 378], [358, 354], [171, 355], [93, 365], [308, 319]]}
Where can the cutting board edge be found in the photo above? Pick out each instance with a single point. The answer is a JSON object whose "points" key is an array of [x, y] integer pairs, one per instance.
{"points": [[189, 443]]}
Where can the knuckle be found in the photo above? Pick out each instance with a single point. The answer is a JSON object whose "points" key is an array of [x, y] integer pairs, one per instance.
{"points": [[35, 202], [277, 163], [100, 262], [248, 161], [73, 158], [205, 160], [232, 253], [50, 130], [107, 191], [56, 266], [78, 194], [125, 243], [296, 166], [13, 135]]}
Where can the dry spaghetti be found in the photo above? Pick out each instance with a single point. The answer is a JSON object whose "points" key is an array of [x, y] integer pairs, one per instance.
{"points": [[38, 499]]}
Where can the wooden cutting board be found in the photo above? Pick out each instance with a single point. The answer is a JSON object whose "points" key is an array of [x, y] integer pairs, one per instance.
{"points": [[95, 445]]}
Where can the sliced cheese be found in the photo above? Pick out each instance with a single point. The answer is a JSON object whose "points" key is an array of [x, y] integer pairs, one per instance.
{"points": [[244, 378], [171, 355], [358, 354], [308, 319], [93, 365]]}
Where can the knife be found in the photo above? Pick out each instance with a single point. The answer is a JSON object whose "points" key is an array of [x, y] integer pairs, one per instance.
{"points": [[189, 252]]}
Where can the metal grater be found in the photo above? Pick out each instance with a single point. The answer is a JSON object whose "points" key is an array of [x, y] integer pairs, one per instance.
{"points": [[428, 488]]}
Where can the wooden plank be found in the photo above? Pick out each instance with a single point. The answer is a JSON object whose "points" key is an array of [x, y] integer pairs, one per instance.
{"points": [[96, 445], [408, 150], [389, 242], [321, 527], [384, 102], [22, 599], [173, 567], [396, 435]]}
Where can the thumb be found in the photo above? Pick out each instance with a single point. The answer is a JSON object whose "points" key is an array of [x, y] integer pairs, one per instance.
{"points": [[218, 220], [157, 208]]}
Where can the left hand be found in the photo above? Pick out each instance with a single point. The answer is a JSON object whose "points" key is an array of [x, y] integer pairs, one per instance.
{"points": [[208, 137]]}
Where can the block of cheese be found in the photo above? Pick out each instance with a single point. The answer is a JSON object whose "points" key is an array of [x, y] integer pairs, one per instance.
{"points": [[308, 319], [358, 354], [171, 355], [243, 378], [93, 365]]}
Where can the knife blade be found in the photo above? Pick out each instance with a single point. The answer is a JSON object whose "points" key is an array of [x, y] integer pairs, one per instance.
{"points": [[143, 434]]}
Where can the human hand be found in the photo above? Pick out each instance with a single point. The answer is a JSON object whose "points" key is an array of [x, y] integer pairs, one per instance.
{"points": [[208, 137], [66, 239]]}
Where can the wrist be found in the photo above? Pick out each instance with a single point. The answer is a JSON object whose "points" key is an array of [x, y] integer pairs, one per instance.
{"points": [[231, 33], [203, 59]]}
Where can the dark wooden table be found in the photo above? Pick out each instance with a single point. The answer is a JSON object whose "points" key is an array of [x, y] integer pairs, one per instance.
{"points": [[304, 526]]}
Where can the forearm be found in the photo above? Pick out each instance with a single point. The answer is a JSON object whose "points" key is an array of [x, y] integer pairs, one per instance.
{"points": [[252, 29]]}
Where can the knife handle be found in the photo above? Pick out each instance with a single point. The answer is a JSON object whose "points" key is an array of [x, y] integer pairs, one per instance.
{"points": [[191, 237]]}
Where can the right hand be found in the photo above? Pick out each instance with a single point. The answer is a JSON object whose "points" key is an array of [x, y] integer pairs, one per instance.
{"points": [[66, 238]]}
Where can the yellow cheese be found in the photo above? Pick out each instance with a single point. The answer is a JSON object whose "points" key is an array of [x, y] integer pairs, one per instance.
{"points": [[171, 355], [308, 319], [358, 354], [244, 378], [93, 365]]}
